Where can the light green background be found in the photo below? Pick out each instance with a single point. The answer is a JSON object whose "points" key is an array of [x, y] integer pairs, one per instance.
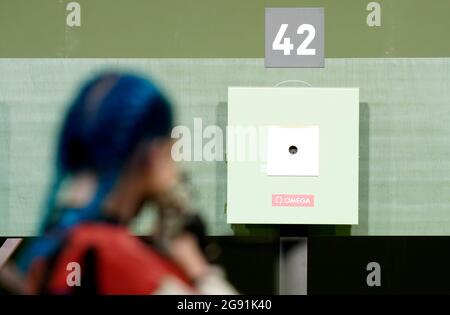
{"points": [[336, 113], [404, 167]]}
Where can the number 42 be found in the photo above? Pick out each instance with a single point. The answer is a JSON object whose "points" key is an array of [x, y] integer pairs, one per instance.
{"points": [[286, 45]]}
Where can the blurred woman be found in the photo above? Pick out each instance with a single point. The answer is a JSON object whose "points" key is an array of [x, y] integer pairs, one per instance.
{"points": [[114, 156]]}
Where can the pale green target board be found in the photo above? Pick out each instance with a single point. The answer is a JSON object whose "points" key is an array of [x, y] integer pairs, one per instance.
{"points": [[292, 155]]}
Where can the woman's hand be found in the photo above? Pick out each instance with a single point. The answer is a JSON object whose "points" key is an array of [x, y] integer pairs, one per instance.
{"points": [[185, 251]]}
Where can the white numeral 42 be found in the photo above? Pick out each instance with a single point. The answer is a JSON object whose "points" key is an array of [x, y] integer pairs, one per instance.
{"points": [[284, 43]]}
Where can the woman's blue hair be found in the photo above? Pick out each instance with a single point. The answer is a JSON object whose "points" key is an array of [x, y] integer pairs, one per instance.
{"points": [[111, 116]]}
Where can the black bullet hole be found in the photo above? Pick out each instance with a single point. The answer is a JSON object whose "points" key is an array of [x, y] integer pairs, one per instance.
{"points": [[293, 149]]}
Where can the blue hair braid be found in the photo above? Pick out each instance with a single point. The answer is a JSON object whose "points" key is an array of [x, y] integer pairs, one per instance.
{"points": [[112, 114]]}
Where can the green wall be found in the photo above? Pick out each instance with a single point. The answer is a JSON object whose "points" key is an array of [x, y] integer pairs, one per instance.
{"points": [[214, 28], [404, 136]]}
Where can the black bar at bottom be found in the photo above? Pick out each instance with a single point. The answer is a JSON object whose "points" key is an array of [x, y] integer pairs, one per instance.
{"points": [[379, 265]]}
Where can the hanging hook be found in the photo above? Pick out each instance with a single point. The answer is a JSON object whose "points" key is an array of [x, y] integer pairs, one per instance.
{"points": [[297, 81]]}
